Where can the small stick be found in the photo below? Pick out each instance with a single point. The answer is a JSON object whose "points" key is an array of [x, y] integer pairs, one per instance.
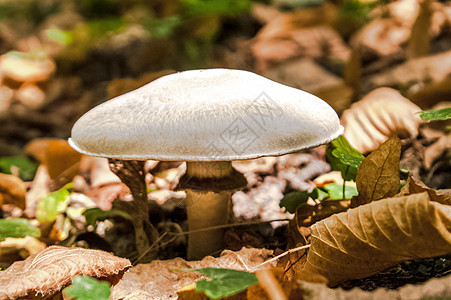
{"points": [[270, 284]]}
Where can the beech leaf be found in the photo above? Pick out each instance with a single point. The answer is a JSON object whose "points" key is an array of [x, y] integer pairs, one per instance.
{"points": [[373, 237], [48, 271], [378, 176]]}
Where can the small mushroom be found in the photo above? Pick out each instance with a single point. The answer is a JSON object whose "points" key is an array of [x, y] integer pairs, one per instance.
{"points": [[207, 118]]}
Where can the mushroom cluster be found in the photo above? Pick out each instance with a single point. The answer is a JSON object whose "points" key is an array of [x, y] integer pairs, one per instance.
{"points": [[207, 118]]}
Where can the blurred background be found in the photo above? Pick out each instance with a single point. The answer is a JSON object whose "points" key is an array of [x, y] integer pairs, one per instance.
{"points": [[60, 58]]}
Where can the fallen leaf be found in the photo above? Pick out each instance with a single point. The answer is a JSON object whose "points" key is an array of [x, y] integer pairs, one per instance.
{"points": [[157, 281], [421, 78], [378, 175], [315, 42], [373, 237], [61, 160], [381, 37], [380, 114], [49, 271], [306, 74], [414, 186], [12, 191]]}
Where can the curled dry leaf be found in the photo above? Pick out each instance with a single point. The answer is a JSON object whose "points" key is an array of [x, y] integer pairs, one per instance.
{"points": [[47, 272], [373, 237], [381, 113], [414, 186], [378, 175], [12, 190]]}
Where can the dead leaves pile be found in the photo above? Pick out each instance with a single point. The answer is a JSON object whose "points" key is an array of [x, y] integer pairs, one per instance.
{"points": [[383, 228]]}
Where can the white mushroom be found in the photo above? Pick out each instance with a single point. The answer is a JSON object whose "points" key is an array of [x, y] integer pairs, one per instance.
{"points": [[207, 118]]}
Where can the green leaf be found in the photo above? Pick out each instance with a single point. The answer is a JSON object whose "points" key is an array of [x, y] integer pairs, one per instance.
{"points": [[27, 168], [60, 36], [291, 201], [160, 28], [53, 204], [87, 288], [344, 158], [223, 7], [17, 228], [224, 282], [93, 215], [436, 115], [336, 191]]}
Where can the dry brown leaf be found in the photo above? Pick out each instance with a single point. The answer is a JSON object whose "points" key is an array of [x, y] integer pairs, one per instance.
{"points": [[415, 75], [61, 160], [378, 175], [50, 270], [435, 150], [157, 281], [280, 26], [316, 42], [373, 237], [12, 190], [305, 74], [414, 186], [381, 113], [382, 37], [14, 249]]}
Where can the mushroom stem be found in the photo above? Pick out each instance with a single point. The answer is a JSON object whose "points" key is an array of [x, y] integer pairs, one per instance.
{"points": [[209, 204], [132, 175]]}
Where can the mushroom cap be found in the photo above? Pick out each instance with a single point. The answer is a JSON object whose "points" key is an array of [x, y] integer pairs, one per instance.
{"points": [[206, 115]]}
